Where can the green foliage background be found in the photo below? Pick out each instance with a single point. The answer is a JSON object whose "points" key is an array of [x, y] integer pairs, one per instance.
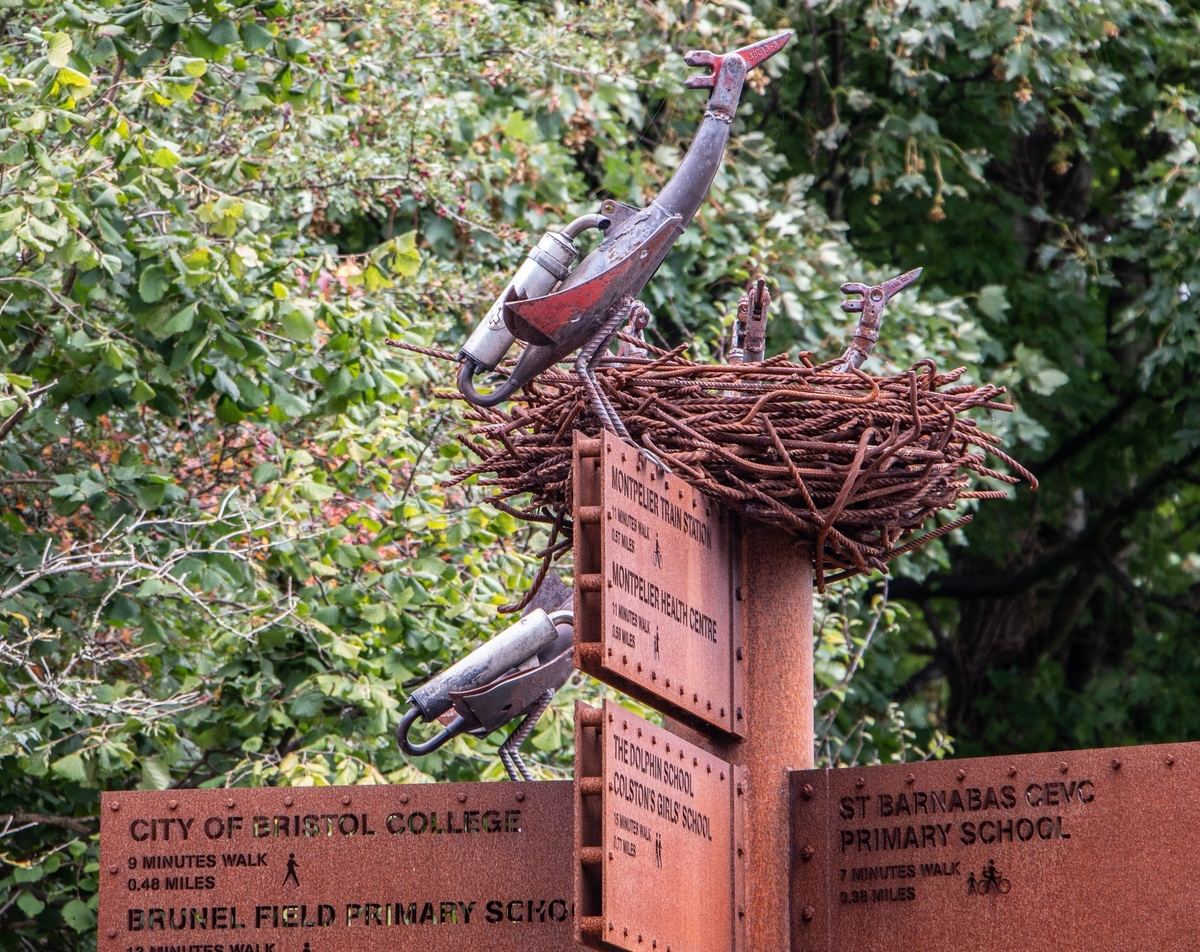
{"points": [[226, 553]]}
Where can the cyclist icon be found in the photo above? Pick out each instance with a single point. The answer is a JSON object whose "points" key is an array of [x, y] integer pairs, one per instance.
{"points": [[991, 881]]}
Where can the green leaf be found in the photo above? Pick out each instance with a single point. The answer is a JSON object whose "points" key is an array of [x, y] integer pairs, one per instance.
{"points": [[71, 766], [58, 50], [297, 324], [72, 77], [254, 37], [78, 915], [15, 154], [153, 284], [155, 775], [29, 904], [223, 33], [519, 128], [149, 496], [164, 158], [406, 260], [993, 301]]}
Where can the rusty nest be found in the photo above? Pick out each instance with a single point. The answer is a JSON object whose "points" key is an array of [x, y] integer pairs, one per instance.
{"points": [[850, 464]]}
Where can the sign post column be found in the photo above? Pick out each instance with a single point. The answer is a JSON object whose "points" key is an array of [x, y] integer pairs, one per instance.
{"points": [[777, 732]]}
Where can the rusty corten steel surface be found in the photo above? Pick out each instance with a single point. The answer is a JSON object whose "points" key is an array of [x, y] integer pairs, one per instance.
{"points": [[450, 866], [664, 582], [670, 874], [1061, 852]]}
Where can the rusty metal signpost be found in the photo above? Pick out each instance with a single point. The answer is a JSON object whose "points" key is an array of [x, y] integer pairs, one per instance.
{"points": [[1079, 850], [658, 836], [431, 867], [655, 579]]}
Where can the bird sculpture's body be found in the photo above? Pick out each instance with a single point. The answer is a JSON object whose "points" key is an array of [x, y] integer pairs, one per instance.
{"points": [[556, 310]]}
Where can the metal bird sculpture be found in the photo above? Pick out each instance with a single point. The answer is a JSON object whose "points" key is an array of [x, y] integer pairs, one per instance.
{"points": [[871, 304], [556, 309], [515, 674]]}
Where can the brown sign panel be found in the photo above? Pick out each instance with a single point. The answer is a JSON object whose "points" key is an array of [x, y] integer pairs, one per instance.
{"points": [[447, 866], [658, 836], [1065, 852], [655, 565]]}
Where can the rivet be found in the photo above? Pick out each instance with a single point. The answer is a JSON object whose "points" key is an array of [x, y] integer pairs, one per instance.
{"points": [[115, 806], [741, 850], [722, 712], [112, 933], [1170, 760], [695, 698], [695, 762], [961, 775], [346, 800], [1012, 771], [404, 798], [624, 931], [807, 913], [911, 778], [610, 718], [611, 927], [807, 852], [738, 593], [667, 683], [668, 748], [624, 659], [722, 775], [520, 795], [739, 713], [639, 937], [739, 654], [806, 791], [708, 705], [860, 782], [172, 804], [639, 667], [610, 855], [229, 804], [741, 912], [610, 655], [288, 801], [1116, 764], [708, 768], [740, 789], [113, 870], [462, 798], [653, 675], [681, 690], [653, 740], [624, 725], [1062, 768]]}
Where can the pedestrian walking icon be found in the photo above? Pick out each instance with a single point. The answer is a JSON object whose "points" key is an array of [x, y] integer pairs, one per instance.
{"points": [[292, 866]]}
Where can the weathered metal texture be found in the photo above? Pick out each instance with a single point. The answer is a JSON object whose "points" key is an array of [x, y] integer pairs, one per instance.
{"points": [[655, 573], [1062, 852], [432, 867], [658, 862], [777, 718]]}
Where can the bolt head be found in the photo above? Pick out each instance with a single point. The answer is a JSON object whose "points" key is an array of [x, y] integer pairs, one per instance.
{"points": [[520, 795], [807, 913], [860, 782], [1062, 768], [115, 806], [462, 798], [910, 779], [229, 804], [112, 933], [1116, 764], [1012, 771], [113, 870], [1170, 760], [807, 852], [404, 798], [806, 791], [172, 804], [346, 800], [961, 774], [288, 801]]}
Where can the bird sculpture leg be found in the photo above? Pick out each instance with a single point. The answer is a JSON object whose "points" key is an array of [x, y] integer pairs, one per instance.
{"points": [[510, 754], [585, 365]]}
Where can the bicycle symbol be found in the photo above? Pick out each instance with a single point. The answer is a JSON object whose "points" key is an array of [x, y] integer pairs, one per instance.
{"points": [[989, 880]]}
